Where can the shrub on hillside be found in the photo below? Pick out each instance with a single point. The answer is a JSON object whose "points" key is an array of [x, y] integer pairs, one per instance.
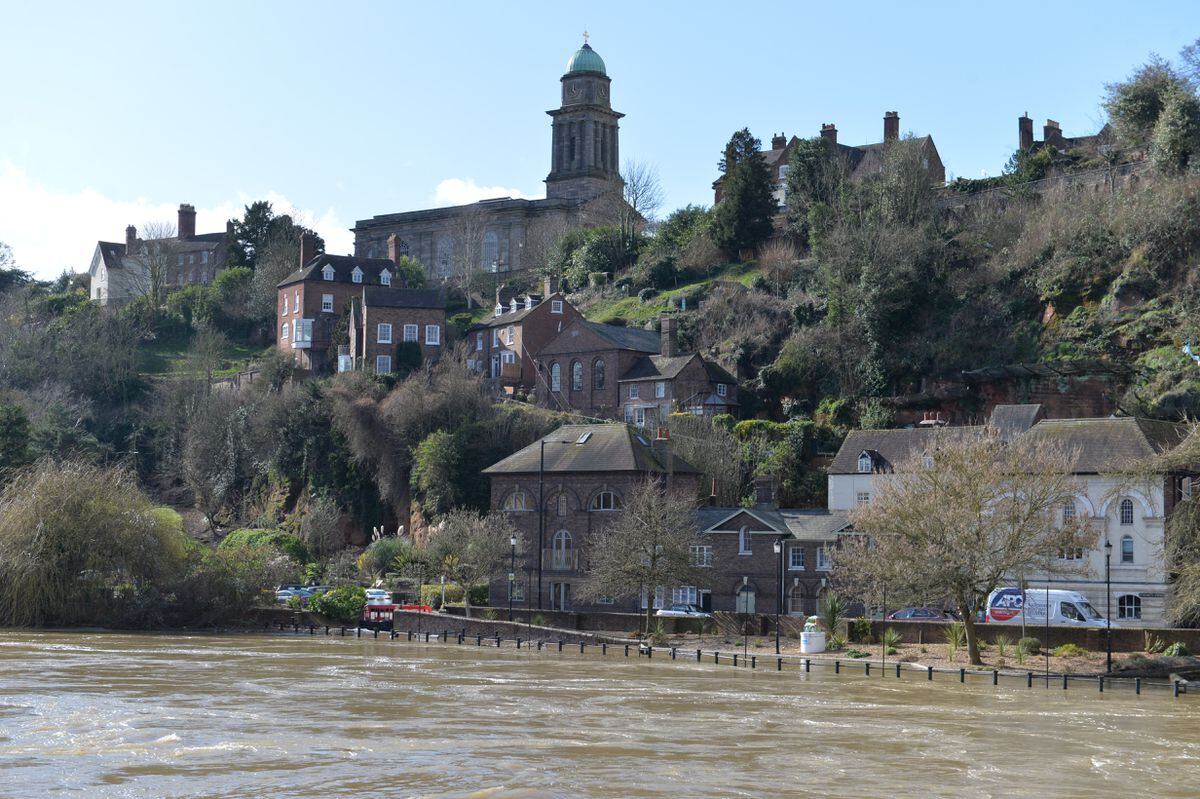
{"points": [[284, 543], [343, 604]]}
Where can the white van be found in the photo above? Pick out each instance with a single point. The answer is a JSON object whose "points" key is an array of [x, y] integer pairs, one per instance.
{"points": [[1067, 608]]}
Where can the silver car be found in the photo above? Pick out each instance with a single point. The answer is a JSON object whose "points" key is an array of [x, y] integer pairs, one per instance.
{"points": [[683, 611]]}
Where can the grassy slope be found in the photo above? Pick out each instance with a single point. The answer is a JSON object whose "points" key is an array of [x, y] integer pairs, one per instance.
{"points": [[166, 356], [636, 312]]}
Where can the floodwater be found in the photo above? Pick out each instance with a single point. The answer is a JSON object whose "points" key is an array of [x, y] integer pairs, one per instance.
{"points": [[116, 715]]}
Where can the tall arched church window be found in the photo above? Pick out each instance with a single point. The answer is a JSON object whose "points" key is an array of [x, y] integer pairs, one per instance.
{"points": [[598, 374], [491, 249], [444, 257]]}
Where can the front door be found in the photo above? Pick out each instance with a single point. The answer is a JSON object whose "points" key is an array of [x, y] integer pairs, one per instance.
{"points": [[745, 600], [560, 596], [705, 600]]}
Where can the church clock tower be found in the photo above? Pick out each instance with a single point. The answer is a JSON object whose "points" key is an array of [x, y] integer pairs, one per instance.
{"points": [[584, 157]]}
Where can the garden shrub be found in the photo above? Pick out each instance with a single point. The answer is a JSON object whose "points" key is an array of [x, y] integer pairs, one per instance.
{"points": [[1068, 651], [1176, 650], [343, 604], [1029, 645]]}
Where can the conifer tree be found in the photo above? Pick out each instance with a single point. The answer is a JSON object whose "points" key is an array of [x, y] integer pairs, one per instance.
{"points": [[742, 220]]}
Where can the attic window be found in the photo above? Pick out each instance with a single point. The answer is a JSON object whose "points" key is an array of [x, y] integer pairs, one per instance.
{"points": [[499, 309], [357, 275], [512, 304], [385, 278], [556, 306], [327, 272], [583, 438], [529, 303], [864, 463]]}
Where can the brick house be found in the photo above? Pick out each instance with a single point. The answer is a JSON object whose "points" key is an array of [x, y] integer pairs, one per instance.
{"points": [[503, 347], [652, 377], [582, 474], [313, 299], [385, 318], [861, 160], [1099, 143], [120, 272]]}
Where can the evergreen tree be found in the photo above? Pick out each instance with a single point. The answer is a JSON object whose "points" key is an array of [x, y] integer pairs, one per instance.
{"points": [[1176, 142], [814, 179], [742, 220]]}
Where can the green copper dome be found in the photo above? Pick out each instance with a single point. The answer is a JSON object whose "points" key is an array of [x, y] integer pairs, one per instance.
{"points": [[586, 60]]}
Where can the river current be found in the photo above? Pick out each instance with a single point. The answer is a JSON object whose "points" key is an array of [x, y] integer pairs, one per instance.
{"points": [[116, 715]]}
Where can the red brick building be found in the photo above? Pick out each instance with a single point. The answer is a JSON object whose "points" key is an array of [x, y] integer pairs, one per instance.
{"points": [[383, 319], [314, 298], [504, 346]]}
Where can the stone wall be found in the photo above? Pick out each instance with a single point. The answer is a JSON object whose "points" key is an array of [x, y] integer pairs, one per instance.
{"points": [[1124, 639]]}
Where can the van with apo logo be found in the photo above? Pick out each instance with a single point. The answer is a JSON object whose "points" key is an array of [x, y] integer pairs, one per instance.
{"points": [[1067, 608]]}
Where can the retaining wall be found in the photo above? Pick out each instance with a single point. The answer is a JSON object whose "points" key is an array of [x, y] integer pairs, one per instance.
{"points": [[1124, 639]]}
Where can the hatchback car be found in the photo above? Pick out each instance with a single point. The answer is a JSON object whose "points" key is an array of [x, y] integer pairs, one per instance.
{"points": [[680, 610], [378, 596], [921, 614]]}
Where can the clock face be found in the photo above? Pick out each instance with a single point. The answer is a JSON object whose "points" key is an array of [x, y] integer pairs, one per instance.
{"points": [[573, 88], [602, 90]]}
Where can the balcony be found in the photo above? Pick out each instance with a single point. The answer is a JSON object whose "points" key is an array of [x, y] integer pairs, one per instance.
{"points": [[302, 334], [560, 560]]}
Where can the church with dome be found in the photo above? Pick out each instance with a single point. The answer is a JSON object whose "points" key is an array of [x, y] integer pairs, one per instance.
{"points": [[510, 235]]}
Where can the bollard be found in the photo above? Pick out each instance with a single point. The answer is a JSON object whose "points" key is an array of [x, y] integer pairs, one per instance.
{"points": [[626, 650], [672, 653], [376, 632], [327, 629], [410, 635], [358, 632], [930, 668], [392, 635], [897, 671], [295, 627], [343, 629], [735, 659], [581, 647], [1064, 682], [1176, 689], [697, 655], [962, 675], [995, 677], [518, 643], [445, 636], [837, 667], [1137, 685], [604, 648], [311, 630], [560, 645], [1100, 682], [1029, 679], [754, 661], [478, 639], [539, 646], [778, 664], [497, 640], [649, 652], [807, 665], [867, 670]]}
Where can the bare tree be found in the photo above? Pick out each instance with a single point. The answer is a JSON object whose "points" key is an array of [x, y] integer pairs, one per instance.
{"points": [[320, 529], [630, 206], [156, 261], [958, 520], [648, 545], [541, 241], [471, 547], [467, 234]]}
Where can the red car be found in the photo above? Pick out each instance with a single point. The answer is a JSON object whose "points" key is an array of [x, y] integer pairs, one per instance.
{"points": [[921, 614]]}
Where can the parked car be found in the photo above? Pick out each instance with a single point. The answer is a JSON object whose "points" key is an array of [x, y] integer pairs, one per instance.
{"points": [[378, 596], [922, 614], [684, 611]]}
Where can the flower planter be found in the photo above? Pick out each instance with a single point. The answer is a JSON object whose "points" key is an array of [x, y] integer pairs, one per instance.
{"points": [[812, 643]]}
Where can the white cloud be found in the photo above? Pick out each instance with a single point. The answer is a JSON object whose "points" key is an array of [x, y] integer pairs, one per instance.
{"points": [[457, 191], [50, 230]]}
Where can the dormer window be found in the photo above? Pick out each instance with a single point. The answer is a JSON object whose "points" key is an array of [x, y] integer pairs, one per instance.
{"points": [[357, 275], [385, 278], [327, 272], [529, 303], [512, 305], [499, 309], [864, 463]]}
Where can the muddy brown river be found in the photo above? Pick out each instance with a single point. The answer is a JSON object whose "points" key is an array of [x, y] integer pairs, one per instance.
{"points": [[115, 715]]}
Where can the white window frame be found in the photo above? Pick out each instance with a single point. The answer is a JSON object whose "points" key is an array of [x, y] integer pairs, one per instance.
{"points": [[824, 562], [685, 595], [327, 272], [296, 301], [555, 377], [1131, 552], [383, 364], [1126, 511], [356, 276], [796, 563], [204, 257], [326, 303], [410, 332], [862, 497], [285, 304], [385, 278], [478, 340], [659, 597], [660, 389], [516, 502], [604, 502], [864, 463], [512, 336], [701, 555], [1131, 609], [722, 390], [284, 332], [495, 337], [383, 333], [433, 335], [745, 542], [556, 306], [633, 391]]}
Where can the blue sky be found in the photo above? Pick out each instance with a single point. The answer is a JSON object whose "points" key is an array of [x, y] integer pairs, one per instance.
{"points": [[114, 113]]}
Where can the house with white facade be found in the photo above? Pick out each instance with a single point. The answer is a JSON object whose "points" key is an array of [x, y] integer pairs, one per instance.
{"points": [[1129, 516]]}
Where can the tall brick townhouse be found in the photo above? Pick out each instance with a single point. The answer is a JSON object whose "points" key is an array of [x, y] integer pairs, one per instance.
{"points": [[381, 314], [122, 271]]}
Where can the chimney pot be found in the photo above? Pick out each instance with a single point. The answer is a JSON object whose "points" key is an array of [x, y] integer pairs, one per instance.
{"points": [[308, 248], [549, 286], [778, 142], [829, 131], [1025, 132], [130, 239], [891, 126], [186, 229]]}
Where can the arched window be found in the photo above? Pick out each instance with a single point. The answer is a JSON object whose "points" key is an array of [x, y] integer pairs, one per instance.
{"points": [[562, 505], [1068, 513], [402, 250], [1127, 549], [555, 377], [491, 250], [561, 556], [796, 601], [444, 256], [744, 546], [283, 332], [745, 600], [562, 540], [598, 373], [1127, 511], [864, 463], [1129, 606], [516, 501], [605, 500], [576, 376]]}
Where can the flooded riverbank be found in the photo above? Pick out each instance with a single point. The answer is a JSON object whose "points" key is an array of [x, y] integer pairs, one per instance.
{"points": [[261, 716]]}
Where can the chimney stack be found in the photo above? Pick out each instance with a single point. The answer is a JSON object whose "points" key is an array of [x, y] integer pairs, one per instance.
{"points": [[764, 491], [778, 142], [130, 240], [549, 286], [1025, 132], [187, 221], [308, 248], [829, 132], [393, 248], [669, 346], [1052, 134], [891, 126], [230, 231]]}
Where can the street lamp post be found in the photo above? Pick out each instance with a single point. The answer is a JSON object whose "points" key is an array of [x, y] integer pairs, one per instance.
{"points": [[1108, 604], [779, 601], [512, 572]]}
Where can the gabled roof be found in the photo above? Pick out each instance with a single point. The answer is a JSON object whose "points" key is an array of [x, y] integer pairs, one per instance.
{"points": [[815, 525], [590, 448], [627, 338], [343, 266], [396, 297], [1014, 420], [512, 317], [724, 519], [112, 253], [1105, 445], [658, 367], [890, 447]]}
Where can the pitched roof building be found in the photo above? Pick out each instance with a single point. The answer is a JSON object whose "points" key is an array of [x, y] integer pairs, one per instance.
{"points": [[123, 271]]}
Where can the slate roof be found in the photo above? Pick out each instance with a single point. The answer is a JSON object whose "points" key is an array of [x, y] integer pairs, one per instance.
{"points": [[627, 338], [590, 448], [1014, 420], [506, 318], [657, 367], [803, 524], [112, 253], [397, 297], [890, 446], [710, 516], [1103, 445], [343, 266]]}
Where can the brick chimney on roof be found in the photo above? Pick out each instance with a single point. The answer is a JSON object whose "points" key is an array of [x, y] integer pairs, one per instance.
{"points": [[891, 126], [549, 286], [230, 232], [187, 221], [778, 141], [764, 491], [1052, 134], [829, 131], [669, 346], [130, 239], [1025, 132], [308, 248]]}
